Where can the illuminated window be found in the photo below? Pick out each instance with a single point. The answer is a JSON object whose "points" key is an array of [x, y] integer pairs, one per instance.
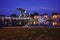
{"points": [[46, 16], [54, 23], [46, 22], [58, 16], [54, 16], [2, 18], [19, 22], [34, 22], [35, 17], [37, 22]]}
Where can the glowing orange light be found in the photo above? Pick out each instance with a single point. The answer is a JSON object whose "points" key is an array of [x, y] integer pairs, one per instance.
{"points": [[2, 18], [35, 17], [37, 23], [58, 16], [54, 16], [34, 22], [54, 23]]}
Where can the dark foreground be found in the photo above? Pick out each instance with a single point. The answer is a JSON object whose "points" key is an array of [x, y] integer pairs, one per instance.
{"points": [[30, 33]]}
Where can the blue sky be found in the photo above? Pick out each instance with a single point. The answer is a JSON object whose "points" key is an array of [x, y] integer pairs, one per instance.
{"points": [[8, 7]]}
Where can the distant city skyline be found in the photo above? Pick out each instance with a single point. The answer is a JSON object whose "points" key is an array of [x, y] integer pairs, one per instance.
{"points": [[8, 7]]}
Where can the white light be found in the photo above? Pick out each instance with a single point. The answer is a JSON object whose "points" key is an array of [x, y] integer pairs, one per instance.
{"points": [[20, 11], [19, 22], [25, 12], [41, 19]]}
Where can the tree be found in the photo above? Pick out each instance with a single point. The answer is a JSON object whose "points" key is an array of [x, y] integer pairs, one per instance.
{"points": [[54, 14], [35, 13], [45, 14], [13, 15], [31, 15], [21, 10]]}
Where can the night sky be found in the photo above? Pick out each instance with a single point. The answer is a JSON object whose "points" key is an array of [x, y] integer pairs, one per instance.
{"points": [[8, 7]]}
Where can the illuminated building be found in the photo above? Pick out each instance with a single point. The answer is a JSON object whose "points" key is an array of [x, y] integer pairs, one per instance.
{"points": [[54, 16], [36, 16], [54, 23], [45, 15], [46, 22], [36, 19], [58, 16]]}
